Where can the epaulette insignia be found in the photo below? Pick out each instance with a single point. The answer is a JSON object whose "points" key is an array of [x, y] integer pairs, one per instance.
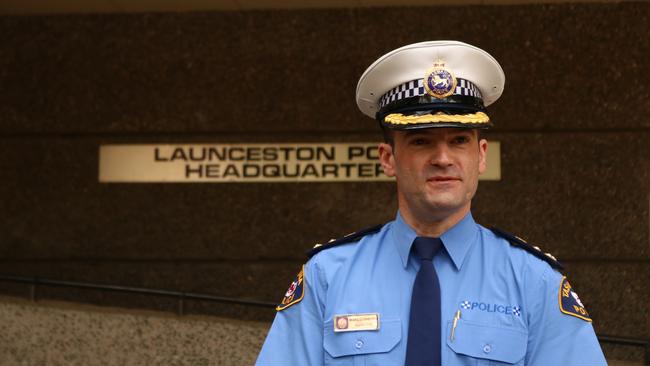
{"points": [[534, 250], [570, 303], [352, 237], [295, 293]]}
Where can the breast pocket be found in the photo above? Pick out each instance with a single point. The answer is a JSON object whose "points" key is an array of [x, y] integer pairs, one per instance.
{"points": [[363, 348], [488, 344]]}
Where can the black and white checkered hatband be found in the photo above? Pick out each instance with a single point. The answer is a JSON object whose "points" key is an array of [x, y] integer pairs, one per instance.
{"points": [[415, 88]]}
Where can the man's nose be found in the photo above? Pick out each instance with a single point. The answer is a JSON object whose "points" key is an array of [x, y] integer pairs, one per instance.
{"points": [[440, 155]]}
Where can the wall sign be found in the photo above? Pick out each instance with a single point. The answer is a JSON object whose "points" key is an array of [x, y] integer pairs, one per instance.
{"points": [[254, 163]]}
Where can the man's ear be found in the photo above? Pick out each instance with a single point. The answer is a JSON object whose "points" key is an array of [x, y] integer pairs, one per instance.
{"points": [[387, 159], [482, 156]]}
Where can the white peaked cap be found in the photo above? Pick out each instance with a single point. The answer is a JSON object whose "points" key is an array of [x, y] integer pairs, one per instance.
{"points": [[410, 63]]}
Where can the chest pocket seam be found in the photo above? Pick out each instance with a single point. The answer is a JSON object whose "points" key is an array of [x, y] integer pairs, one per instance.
{"points": [[496, 343], [339, 344]]}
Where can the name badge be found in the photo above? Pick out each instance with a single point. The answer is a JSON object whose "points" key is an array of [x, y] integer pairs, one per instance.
{"points": [[356, 322]]}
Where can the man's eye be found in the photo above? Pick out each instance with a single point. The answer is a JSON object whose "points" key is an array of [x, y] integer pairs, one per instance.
{"points": [[418, 142], [461, 139]]}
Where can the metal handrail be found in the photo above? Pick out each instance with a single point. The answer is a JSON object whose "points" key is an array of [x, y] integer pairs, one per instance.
{"points": [[35, 281]]}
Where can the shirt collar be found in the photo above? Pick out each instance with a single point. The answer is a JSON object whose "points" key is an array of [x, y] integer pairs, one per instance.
{"points": [[456, 240]]}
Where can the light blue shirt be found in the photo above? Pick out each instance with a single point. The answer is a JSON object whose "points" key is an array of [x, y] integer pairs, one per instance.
{"points": [[508, 301]]}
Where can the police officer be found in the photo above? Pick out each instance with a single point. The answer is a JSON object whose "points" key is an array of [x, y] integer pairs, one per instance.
{"points": [[432, 287]]}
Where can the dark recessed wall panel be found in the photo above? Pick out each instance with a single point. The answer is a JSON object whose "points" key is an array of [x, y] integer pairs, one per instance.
{"points": [[605, 287], [577, 195], [567, 67]]}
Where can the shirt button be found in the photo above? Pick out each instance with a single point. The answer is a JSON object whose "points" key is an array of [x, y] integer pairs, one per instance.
{"points": [[358, 344], [487, 348]]}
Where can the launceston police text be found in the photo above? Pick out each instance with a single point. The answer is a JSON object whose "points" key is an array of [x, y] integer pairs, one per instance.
{"points": [[242, 162], [275, 162]]}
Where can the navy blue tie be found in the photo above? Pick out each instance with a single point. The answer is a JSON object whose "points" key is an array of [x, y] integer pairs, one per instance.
{"points": [[423, 347]]}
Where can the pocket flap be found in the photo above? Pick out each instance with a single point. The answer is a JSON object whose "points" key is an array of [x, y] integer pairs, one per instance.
{"points": [[498, 343], [383, 340]]}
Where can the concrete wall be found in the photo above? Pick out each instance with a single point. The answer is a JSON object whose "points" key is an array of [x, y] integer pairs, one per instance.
{"points": [[572, 123]]}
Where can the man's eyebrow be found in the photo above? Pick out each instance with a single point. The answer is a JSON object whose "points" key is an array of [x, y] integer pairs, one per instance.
{"points": [[414, 132], [463, 132]]}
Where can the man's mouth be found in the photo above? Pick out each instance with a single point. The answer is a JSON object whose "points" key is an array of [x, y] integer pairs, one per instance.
{"points": [[443, 178]]}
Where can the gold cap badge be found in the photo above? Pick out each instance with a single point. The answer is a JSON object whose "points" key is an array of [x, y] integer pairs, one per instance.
{"points": [[439, 81]]}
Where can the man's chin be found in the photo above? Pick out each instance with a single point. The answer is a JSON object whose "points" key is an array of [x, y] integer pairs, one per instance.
{"points": [[444, 198], [442, 208]]}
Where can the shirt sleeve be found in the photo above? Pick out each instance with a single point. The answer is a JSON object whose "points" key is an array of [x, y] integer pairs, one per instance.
{"points": [[296, 335], [556, 338]]}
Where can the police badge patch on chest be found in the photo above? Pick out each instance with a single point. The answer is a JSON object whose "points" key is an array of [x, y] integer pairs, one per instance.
{"points": [[570, 303], [295, 293]]}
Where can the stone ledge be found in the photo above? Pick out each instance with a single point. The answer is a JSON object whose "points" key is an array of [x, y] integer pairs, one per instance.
{"points": [[56, 333], [59, 333]]}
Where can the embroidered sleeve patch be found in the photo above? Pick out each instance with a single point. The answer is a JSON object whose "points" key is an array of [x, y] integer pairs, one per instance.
{"points": [[570, 303], [295, 293]]}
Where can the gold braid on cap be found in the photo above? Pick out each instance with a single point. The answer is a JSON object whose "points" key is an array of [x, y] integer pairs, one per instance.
{"points": [[400, 119]]}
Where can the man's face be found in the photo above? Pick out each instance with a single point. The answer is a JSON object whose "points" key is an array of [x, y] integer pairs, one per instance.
{"points": [[436, 169]]}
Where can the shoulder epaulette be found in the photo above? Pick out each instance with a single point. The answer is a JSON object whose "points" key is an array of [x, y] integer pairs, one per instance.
{"points": [[521, 243], [352, 237]]}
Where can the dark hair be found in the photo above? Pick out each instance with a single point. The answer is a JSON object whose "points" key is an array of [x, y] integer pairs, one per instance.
{"points": [[481, 133], [389, 135]]}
